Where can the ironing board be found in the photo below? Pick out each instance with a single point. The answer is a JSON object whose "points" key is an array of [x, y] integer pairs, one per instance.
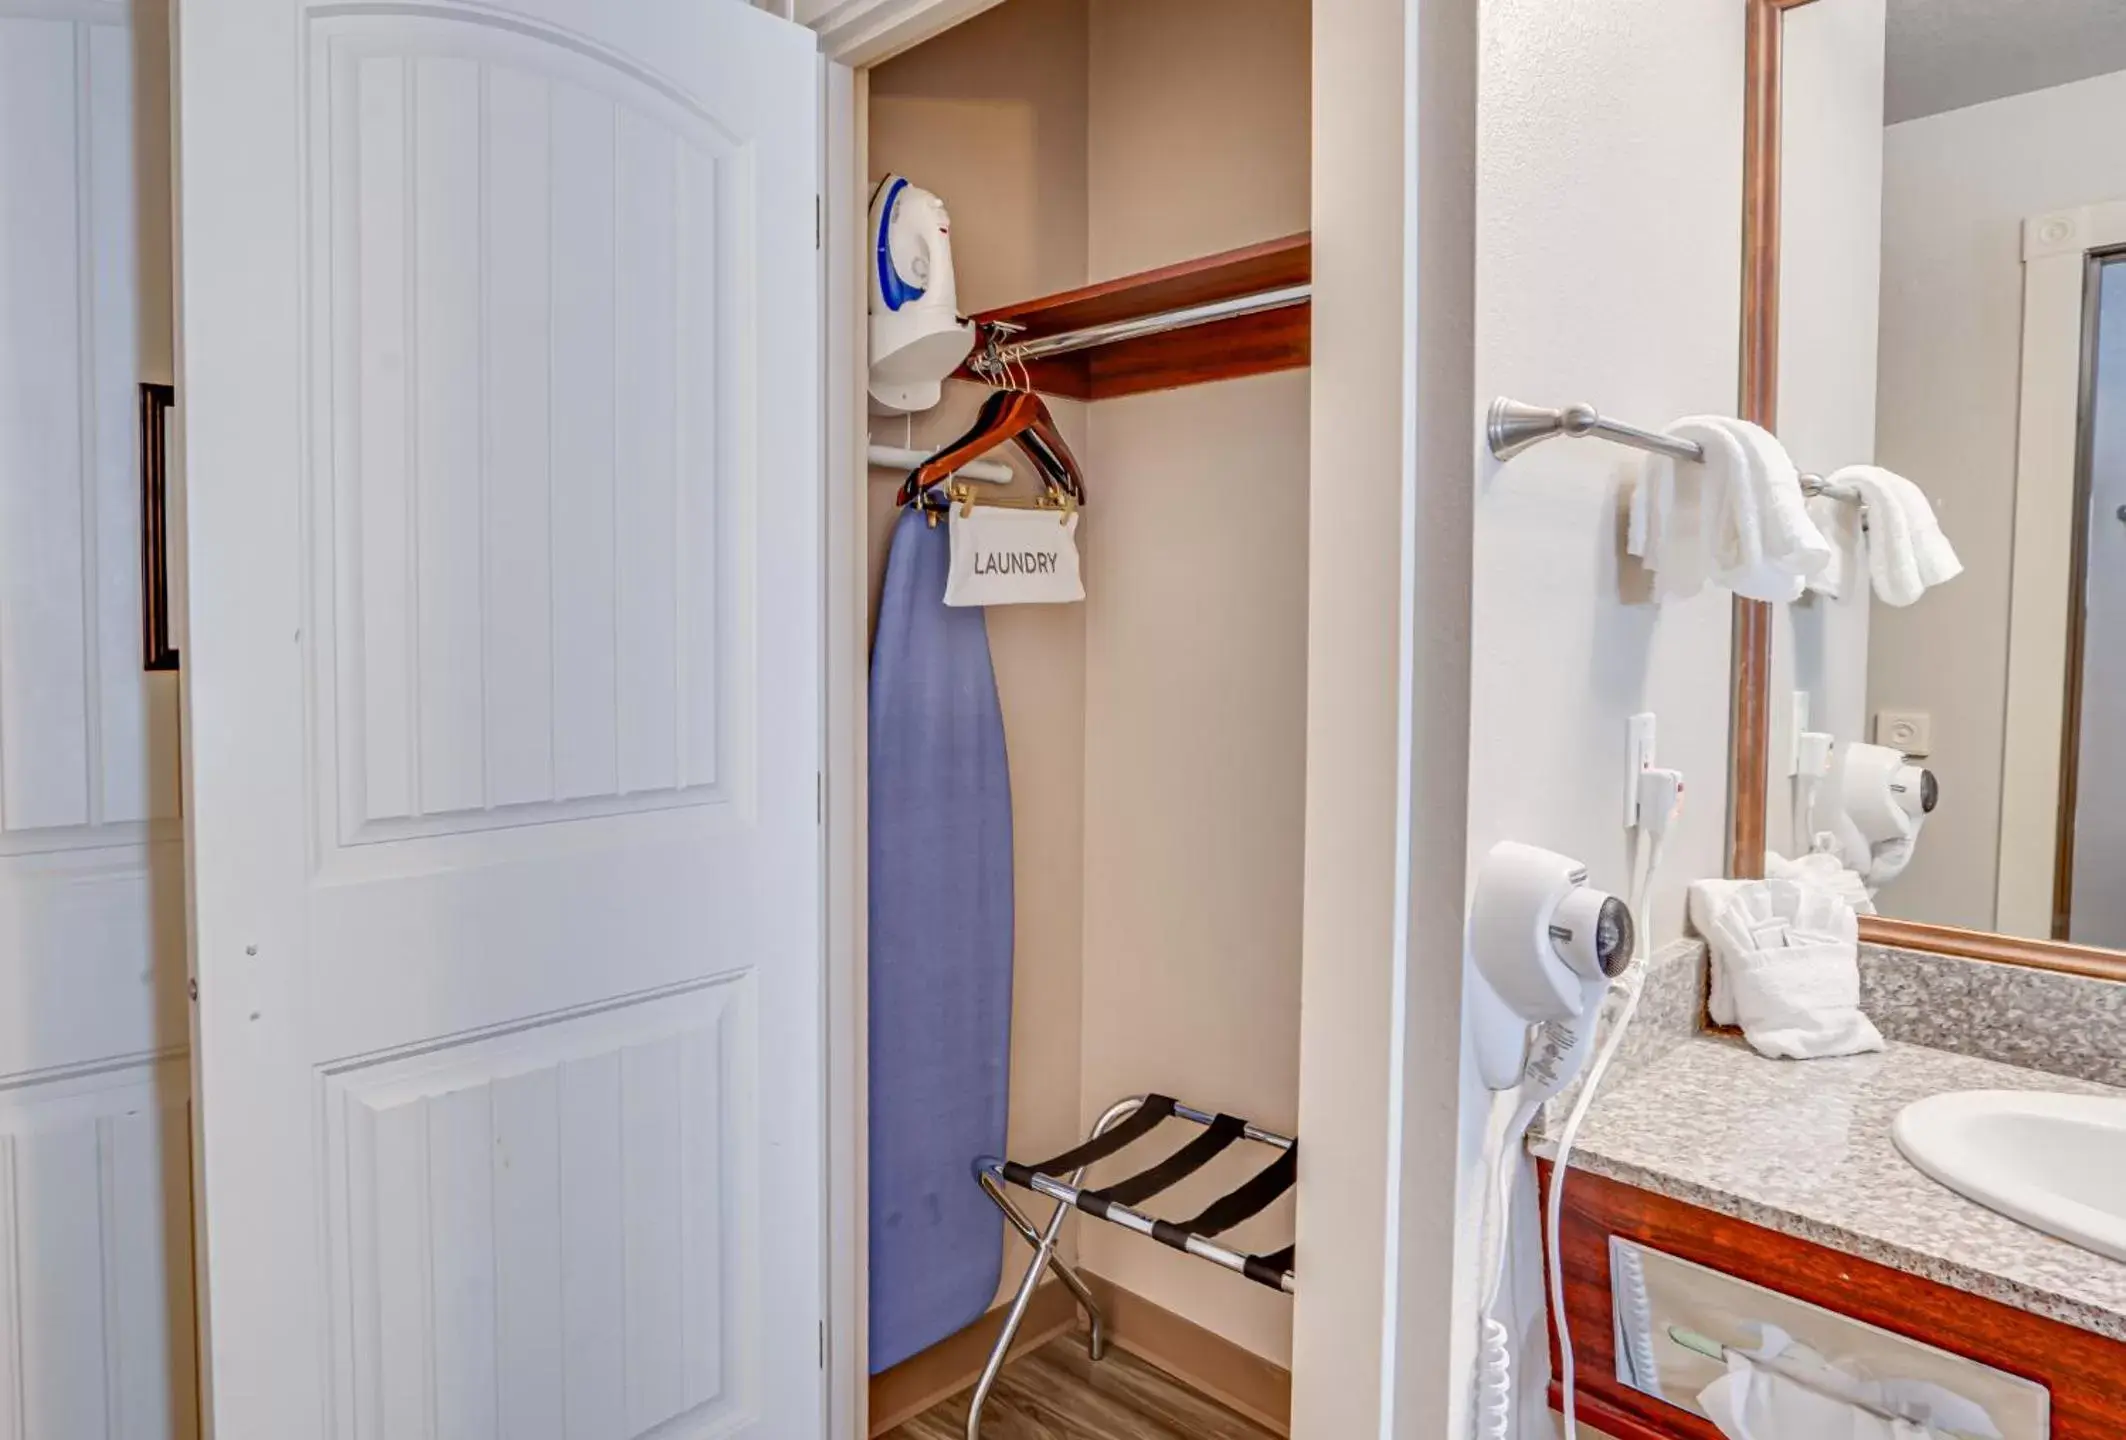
{"points": [[940, 952]]}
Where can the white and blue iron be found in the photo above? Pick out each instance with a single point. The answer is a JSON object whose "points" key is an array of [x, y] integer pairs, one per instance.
{"points": [[917, 334]]}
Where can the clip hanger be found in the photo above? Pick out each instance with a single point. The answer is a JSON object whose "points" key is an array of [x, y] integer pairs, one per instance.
{"points": [[1062, 502]]}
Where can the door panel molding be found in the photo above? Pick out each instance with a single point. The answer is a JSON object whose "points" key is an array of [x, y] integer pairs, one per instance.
{"points": [[517, 1227], [95, 1240]]}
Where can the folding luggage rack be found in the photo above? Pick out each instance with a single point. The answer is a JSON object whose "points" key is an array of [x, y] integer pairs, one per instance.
{"points": [[1125, 1122]]}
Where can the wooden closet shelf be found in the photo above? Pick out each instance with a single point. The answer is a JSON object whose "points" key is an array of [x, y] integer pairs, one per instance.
{"points": [[1222, 349]]}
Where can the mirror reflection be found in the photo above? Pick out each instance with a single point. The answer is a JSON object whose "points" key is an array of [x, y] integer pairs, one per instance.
{"points": [[1948, 706]]}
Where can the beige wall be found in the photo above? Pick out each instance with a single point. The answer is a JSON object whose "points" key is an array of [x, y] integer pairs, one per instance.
{"points": [[1200, 128], [1956, 189], [992, 116], [1195, 769], [1195, 732], [1157, 733]]}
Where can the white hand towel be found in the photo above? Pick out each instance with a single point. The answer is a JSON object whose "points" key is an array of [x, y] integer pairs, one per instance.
{"points": [[1013, 557], [1785, 966], [1907, 551], [1735, 517], [1794, 548], [1839, 523], [1670, 527]]}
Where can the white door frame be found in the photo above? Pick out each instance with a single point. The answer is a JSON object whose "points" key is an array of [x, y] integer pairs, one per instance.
{"points": [[1394, 155], [2056, 248]]}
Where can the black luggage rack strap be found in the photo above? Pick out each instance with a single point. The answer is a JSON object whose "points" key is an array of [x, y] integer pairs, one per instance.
{"points": [[1118, 1203]]}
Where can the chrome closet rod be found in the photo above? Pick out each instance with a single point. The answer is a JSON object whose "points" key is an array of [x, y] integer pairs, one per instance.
{"points": [[1512, 427], [1041, 347]]}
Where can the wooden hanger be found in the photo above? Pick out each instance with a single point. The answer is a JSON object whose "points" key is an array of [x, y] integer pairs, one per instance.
{"points": [[1007, 415]]}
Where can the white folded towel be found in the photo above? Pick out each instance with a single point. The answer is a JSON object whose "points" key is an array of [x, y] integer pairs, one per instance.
{"points": [[1785, 966], [1736, 517], [1907, 551], [1825, 871], [1794, 547]]}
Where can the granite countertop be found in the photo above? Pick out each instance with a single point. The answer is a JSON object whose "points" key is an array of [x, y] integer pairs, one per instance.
{"points": [[1804, 1147]]}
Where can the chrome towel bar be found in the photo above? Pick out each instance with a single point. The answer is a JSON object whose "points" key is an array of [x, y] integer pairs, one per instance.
{"points": [[1513, 426]]}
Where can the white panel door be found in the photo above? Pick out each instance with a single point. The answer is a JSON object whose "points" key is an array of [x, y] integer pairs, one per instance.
{"points": [[96, 1336], [499, 348]]}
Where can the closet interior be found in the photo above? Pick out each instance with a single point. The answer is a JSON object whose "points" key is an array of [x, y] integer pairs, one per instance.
{"points": [[1106, 163]]}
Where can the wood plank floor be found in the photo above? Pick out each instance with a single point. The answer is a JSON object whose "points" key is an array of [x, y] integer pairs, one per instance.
{"points": [[1056, 1393]]}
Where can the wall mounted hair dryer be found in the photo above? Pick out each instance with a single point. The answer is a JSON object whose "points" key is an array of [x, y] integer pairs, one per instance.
{"points": [[1886, 795], [1885, 799], [1543, 947]]}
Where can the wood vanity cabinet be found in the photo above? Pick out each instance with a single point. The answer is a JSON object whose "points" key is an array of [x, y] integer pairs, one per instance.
{"points": [[2085, 1372]]}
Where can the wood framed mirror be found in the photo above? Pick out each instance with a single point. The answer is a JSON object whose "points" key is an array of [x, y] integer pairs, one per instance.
{"points": [[1934, 243]]}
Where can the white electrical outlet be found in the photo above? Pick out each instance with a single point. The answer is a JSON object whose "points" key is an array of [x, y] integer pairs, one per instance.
{"points": [[1639, 757], [1911, 731]]}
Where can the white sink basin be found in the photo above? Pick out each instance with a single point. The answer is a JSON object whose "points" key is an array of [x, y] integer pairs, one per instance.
{"points": [[2057, 1162]]}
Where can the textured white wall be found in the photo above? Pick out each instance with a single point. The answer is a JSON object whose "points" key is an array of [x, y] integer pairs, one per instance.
{"points": [[1830, 262], [1956, 189], [1609, 224], [1609, 204]]}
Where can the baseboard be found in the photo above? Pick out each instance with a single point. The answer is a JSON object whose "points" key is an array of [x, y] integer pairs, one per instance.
{"points": [[955, 1363], [1204, 1360], [1207, 1362]]}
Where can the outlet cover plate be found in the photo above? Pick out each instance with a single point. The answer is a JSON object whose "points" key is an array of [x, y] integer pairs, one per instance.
{"points": [[1639, 757], [1911, 731]]}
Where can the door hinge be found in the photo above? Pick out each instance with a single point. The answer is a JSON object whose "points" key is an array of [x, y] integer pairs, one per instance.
{"points": [[819, 797], [822, 1344], [819, 222]]}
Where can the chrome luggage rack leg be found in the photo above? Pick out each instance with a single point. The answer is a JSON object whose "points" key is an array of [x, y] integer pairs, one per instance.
{"points": [[1044, 1258], [1123, 1124]]}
